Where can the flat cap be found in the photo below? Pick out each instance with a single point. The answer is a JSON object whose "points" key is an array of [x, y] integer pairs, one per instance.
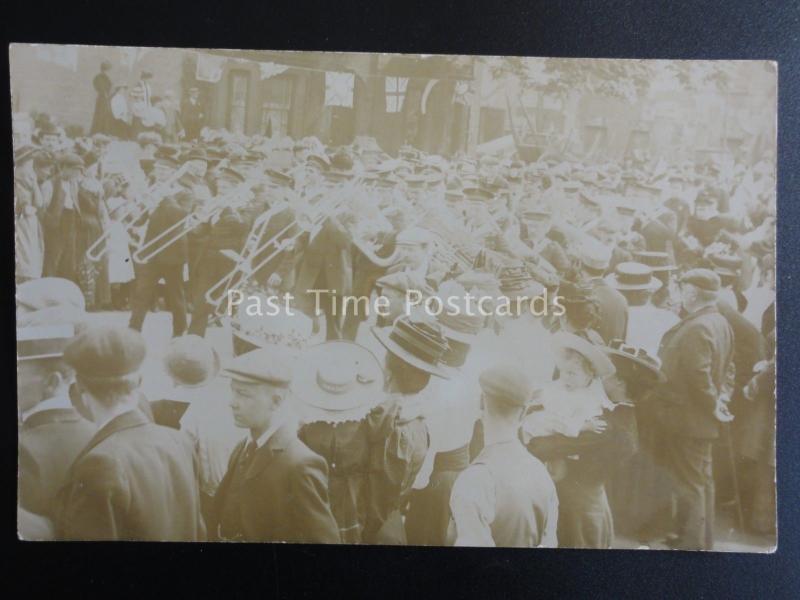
{"points": [[270, 365], [705, 279], [507, 384], [102, 352]]}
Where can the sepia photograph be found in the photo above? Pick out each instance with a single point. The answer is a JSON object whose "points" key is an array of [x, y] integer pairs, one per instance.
{"points": [[394, 299]]}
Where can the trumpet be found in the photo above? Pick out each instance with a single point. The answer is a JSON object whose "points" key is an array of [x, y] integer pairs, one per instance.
{"points": [[208, 212], [136, 211]]}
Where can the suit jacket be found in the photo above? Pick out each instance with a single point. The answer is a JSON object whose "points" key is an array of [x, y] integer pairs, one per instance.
{"points": [[748, 343], [166, 214], [613, 309], [135, 480], [49, 442], [285, 493], [697, 360]]}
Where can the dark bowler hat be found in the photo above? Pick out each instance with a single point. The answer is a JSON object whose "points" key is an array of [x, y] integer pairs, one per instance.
{"points": [[106, 352], [704, 279], [575, 292], [633, 276], [416, 341], [270, 365], [637, 358], [507, 384]]}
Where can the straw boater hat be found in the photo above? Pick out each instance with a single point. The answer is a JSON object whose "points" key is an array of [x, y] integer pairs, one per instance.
{"points": [[633, 276], [191, 361], [601, 364], [337, 381], [417, 341], [49, 311], [458, 325], [636, 359]]}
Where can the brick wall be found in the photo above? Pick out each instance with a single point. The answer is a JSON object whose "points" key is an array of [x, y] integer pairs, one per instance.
{"points": [[66, 93]]}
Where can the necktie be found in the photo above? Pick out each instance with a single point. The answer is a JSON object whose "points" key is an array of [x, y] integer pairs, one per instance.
{"points": [[248, 455]]}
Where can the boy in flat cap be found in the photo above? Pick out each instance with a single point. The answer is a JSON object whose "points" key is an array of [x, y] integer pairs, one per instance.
{"points": [[134, 480], [506, 496], [275, 489], [697, 360]]}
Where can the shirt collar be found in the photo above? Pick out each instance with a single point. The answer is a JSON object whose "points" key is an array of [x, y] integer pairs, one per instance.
{"points": [[277, 423], [60, 400]]}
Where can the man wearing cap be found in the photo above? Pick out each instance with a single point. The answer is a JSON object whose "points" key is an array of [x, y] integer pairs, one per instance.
{"points": [[51, 433], [506, 497], [275, 489], [167, 264], [611, 304], [134, 480], [697, 361]]}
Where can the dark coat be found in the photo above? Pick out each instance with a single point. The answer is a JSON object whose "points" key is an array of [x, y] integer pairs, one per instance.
{"points": [[612, 308], [697, 360], [135, 480], [49, 442], [748, 343], [166, 214], [285, 493]]}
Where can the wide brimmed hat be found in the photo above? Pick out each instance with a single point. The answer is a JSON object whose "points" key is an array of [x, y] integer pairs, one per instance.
{"points": [[191, 361], [292, 331], [658, 261], [601, 364], [636, 356], [337, 381], [418, 342], [632, 276]]}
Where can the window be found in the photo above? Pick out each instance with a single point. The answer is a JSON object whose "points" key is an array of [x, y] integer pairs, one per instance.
{"points": [[276, 95], [395, 93], [237, 106]]}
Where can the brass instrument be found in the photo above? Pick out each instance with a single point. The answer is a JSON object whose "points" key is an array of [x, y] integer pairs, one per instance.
{"points": [[208, 212], [310, 222], [134, 213]]}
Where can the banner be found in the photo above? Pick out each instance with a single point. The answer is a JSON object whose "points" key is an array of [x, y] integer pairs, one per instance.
{"points": [[339, 89], [209, 68], [64, 56], [270, 69]]}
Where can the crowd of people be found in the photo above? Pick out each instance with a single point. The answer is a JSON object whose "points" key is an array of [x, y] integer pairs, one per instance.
{"points": [[639, 408]]}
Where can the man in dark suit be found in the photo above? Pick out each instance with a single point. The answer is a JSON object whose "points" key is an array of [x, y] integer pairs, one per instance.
{"points": [[697, 360], [612, 307], [167, 264], [275, 489], [193, 114], [51, 432], [134, 480]]}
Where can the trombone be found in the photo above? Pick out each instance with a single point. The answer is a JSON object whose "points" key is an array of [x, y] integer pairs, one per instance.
{"points": [[135, 212], [208, 212], [310, 222]]}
